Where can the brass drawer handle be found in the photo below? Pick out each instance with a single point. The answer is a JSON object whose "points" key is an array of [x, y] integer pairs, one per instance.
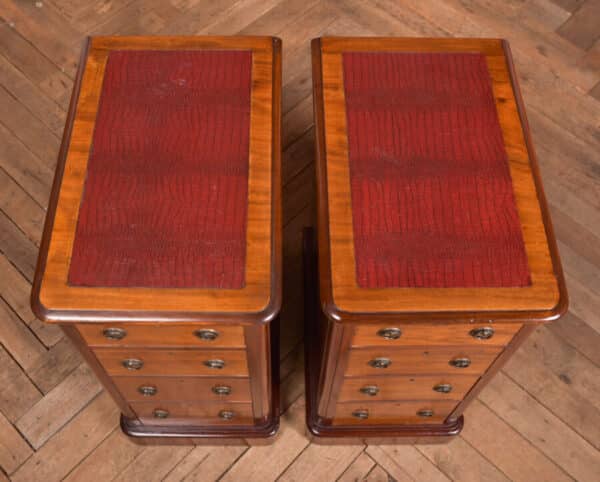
{"points": [[460, 362], [207, 334], [148, 390], [132, 363], [217, 364], [390, 333], [380, 362], [226, 414], [443, 388], [361, 414], [160, 413], [114, 333], [221, 390], [370, 390], [425, 413], [483, 333]]}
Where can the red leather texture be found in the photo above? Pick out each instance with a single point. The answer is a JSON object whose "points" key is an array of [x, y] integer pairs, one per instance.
{"points": [[166, 194], [432, 197]]}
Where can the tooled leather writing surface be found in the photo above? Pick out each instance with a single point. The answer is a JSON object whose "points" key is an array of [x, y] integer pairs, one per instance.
{"points": [[432, 197], [165, 199]]}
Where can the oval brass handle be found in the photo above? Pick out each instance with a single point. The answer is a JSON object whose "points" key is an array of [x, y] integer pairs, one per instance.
{"points": [[370, 390], [425, 413], [160, 413], [207, 334], [148, 390], [483, 333], [113, 333], [380, 362], [361, 414], [226, 414], [443, 388], [132, 363], [390, 333], [221, 390], [218, 364], [460, 362]]}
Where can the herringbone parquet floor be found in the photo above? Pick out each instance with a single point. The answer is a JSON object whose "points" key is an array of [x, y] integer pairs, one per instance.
{"points": [[538, 420]]}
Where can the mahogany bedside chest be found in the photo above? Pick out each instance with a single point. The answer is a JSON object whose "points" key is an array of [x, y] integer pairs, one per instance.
{"points": [[161, 255], [436, 256]]}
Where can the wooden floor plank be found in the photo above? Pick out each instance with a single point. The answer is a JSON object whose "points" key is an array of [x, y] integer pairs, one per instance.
{"points": [[322, 462], [17, 393], [582, 27], [59, 406], [264, 463], [14, 450], [18, 340], [358, 469], [73, 443], [539, 419], [543, 429], [403, 461], [506, 449], [107, 460]]}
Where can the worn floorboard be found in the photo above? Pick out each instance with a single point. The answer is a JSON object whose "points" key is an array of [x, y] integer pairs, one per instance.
{"points": [[538, 420]]}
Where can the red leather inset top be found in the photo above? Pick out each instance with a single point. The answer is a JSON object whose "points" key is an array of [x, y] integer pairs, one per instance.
{"points": [[166, 194], [432, 197]]}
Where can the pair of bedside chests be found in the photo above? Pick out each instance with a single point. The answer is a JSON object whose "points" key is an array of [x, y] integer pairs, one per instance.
{"points": [[432, 260]]}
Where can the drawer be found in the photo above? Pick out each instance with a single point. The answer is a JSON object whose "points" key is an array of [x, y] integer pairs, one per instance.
{"points": [[169, 413], [129, 334], [144, 389], [437, 387], [420, 360], [393, 413], [399, 334], [139, 361]]}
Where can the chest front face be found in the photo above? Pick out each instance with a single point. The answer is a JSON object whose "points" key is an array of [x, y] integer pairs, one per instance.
{"points": [[161, 255], [435, 248]]}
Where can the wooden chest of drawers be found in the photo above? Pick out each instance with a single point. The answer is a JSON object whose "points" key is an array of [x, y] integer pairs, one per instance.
{"points": [[434, 255], [161, 256]]}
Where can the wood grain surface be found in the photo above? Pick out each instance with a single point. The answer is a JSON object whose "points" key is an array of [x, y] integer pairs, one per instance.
{"points": [[546, 292], [538, 419], [55, 299]]}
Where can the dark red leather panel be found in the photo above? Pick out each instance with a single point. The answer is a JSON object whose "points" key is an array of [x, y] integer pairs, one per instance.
{"points": [[432, 197], [165, 200]]}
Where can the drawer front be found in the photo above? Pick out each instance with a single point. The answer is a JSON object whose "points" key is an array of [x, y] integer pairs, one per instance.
{"points": [[393, 413], [485, 334], [169, 413], [138, 361], [437, 387], [420, 360], [128, 334], [146, 389]]}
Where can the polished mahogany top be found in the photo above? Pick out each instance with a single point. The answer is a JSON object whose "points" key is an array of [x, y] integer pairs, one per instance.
{"points": [[166, 204]]}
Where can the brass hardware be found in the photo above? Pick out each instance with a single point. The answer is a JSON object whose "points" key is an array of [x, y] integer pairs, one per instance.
{"points": [[160, 413], [483, 333], [425, 413], [443, 388], [221, 390], [148, 390], [390, 333], [460, 362], [114, 333], [361, 414], [132, 363], [370, 390], [218, 364], [226, 414], [380, 362], [207, 334]]}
